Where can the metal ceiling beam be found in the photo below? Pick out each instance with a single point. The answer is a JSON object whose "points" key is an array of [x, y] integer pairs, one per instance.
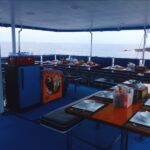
{"points": [[77, 30]]}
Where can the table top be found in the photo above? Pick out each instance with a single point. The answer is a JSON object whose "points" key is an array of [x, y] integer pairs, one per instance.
{"points": [[125, 69], [111, 115], [136, 127], [114, 115]]}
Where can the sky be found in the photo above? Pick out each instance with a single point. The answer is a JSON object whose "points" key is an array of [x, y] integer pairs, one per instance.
{"points": [[111, 37]]}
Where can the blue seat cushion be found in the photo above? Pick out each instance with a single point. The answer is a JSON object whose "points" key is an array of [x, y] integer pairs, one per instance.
{"points": [[60, 120]]}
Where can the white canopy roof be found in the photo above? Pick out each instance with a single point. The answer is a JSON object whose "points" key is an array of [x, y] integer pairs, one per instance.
{"points": [[77, 15]]}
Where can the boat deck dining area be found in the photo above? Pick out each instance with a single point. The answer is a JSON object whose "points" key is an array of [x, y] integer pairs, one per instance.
{"points": [[67, 85], [102, 129], [88, 114]]}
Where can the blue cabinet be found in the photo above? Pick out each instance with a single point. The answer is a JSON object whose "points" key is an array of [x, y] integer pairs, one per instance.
{"points": [[23, 86]]}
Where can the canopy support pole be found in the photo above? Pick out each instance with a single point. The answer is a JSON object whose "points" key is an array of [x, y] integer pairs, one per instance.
{"points": [[91, 46], [13, 34], [55, 57], [19, 39], [144, 44], [1, 88]]}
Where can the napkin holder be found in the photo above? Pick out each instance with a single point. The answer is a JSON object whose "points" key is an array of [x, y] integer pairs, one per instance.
{"points": [[123, 99]]}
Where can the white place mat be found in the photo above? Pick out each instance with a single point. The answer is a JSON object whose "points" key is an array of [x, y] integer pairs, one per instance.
{"points": [[136, 119], [127, 82], [105, 94], [130, 82], [140, 74], [100, 80], [93, 106], [147, 102]]}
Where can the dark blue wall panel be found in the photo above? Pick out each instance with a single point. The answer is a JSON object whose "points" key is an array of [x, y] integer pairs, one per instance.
{"points": [[59, 57], [37, 57], [85, 58], [124, 61], [48, 57], [147, 63], [103, 61]]}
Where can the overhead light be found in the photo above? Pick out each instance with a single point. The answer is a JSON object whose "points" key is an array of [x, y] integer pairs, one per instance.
{"points": [[30, 13], [74, 6]]}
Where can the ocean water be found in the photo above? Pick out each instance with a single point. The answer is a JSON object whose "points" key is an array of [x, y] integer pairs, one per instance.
{"points": [[102, 50]]}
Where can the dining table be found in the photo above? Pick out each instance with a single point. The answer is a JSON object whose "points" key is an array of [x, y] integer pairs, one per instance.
{"points": [[108, 113]]}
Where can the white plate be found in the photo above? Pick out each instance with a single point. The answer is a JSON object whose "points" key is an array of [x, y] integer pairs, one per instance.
{"points": [[105, 94], [127, 82], [144, 116], [89, 103]]}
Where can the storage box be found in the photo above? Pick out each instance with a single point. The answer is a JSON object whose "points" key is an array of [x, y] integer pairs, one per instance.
{"points": [[140, 94], [140, 91], [140, 68], [21, 60]]}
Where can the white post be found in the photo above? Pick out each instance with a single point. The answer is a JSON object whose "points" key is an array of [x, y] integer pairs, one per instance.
{"points": [[41, 59], [55, 57], [19, 39], [91, 46], [12, 6], [144, 44], [113, 62], [69, 57], [1, 88]]}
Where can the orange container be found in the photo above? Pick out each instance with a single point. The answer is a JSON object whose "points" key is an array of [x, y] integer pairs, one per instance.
{"points": [[51, 85], [21, 60]]}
